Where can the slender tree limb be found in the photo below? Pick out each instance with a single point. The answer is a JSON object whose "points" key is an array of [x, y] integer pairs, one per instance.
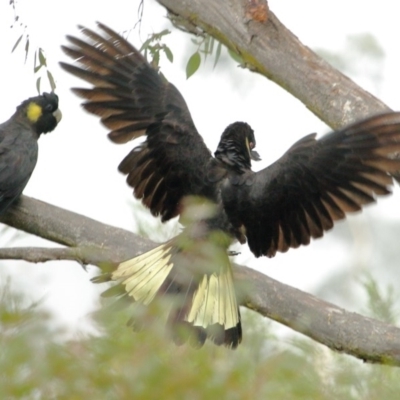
{"points": [[92, 242], [273, 51], [82, 255], [73, 230]]}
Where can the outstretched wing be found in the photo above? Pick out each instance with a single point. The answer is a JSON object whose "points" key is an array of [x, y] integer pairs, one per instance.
{"points": [[314, 184], [133, 99]]}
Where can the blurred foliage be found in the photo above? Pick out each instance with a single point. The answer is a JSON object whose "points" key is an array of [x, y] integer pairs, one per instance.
{"points": [[361, 57], [370, 243], [35, 363], [382, 302], [363, 45], [150, 227]]}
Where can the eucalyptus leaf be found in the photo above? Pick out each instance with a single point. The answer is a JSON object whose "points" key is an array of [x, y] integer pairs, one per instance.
{"points": [[51, 80], [217, 53], [38, 84], [168, 53], [193, 64], [17, 43]]}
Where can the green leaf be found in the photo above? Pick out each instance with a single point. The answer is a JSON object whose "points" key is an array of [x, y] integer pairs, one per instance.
{"points": [[17, 43], [206, 47], [217, 54], [26, 49], [212, 41], [193, 64], [235, 56], [38, 84], [42, 58], [145, 44], [153, 38], [158, 36], [168, 53], [51, 80]]}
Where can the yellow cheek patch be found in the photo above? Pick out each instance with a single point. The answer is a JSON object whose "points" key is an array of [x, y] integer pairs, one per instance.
{"points": [[34, 112]]}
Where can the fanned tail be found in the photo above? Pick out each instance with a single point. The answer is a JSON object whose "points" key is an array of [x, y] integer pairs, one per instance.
{"points": [[200, 288]]}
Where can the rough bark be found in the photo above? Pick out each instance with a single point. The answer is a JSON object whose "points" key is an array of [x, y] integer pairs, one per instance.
{"points": [[91, 242]]}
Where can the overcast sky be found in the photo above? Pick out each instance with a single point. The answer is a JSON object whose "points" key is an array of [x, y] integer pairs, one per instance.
{"points": [[77, 167]]}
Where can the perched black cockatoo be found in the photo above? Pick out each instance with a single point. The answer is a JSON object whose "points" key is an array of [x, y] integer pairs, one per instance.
{"points": [[314, 184], [18, 144]]}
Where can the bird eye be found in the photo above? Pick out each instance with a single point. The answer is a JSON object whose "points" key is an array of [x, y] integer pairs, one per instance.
{"points": [[49, 107]]}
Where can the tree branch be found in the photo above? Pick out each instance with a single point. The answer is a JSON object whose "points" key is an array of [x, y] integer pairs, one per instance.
{"points": [[95, 243], [273, 51], [82, 255]]}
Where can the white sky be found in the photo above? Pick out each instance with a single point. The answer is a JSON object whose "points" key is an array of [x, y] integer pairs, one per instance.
{"points": [[77, 167]]}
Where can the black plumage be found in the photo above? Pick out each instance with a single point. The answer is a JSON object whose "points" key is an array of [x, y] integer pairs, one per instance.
{"points": [[18, 144], [283, 206]]}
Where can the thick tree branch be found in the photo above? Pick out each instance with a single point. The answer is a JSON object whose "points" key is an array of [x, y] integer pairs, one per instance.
{"points": [[273, 51], [95, 243]]}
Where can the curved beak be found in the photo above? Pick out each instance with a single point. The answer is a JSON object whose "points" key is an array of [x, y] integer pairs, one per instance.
{"points": [[254, 155], [57, 115]]}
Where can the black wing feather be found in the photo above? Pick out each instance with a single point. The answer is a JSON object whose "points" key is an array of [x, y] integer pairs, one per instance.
{"points": [[133, 99], [316, 183]]}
